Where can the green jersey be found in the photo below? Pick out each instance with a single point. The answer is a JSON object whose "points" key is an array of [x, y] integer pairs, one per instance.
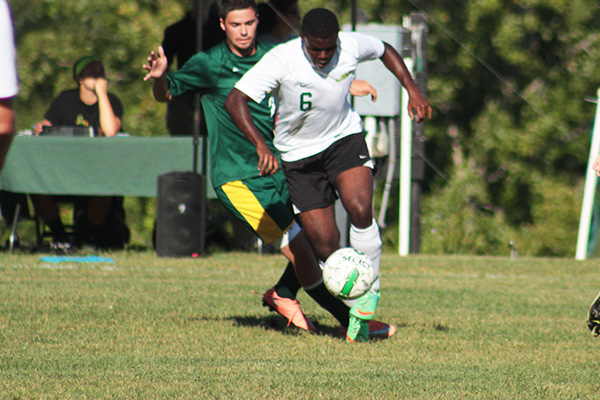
{"points": [[213, 74]]}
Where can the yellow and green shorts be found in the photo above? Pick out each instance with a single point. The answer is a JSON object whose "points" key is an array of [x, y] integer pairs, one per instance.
{"points": [[263, 203]]}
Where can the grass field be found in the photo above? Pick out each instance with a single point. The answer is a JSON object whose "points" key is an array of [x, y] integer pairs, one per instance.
{"points": [[142, 327]]}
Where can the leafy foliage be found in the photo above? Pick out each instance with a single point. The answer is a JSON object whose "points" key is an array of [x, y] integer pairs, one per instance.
{"points": [[512, 78]]}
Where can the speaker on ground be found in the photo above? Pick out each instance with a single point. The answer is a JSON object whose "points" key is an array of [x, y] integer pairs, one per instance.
{"points": [[181, 214]]}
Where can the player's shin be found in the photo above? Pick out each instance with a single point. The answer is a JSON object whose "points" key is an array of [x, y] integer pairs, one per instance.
{"points": [[368, 240], [336, 307]]}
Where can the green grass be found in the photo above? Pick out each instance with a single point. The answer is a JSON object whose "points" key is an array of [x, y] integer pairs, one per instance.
{"points": [[150, 328]]}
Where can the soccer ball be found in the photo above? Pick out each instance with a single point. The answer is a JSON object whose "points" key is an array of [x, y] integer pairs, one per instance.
{"points": [[348, 273]]}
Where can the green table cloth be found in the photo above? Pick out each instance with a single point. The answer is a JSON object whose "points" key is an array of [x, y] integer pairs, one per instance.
{"points": [[120, 165]]}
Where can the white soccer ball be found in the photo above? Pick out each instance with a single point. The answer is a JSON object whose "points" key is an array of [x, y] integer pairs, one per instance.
{"points": [[348, 273]]}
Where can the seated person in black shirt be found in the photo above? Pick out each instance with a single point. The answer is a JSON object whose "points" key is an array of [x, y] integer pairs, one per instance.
{"points": [[90, 105]]}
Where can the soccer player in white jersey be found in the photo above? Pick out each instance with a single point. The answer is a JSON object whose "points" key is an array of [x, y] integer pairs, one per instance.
{"points": [[320, 137]]}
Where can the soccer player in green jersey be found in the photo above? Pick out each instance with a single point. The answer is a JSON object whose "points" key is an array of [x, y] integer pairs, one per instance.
{"points": [[260, 200]]}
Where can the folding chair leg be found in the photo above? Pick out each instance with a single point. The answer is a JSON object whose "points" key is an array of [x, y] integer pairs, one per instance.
{"points": [[39, 230]]}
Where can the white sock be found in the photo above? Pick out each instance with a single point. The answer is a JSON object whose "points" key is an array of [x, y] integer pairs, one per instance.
{"points": [[369, 242]]}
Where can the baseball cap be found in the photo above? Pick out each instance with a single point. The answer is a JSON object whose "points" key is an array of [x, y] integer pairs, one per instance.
{"points": [[83, 62]]}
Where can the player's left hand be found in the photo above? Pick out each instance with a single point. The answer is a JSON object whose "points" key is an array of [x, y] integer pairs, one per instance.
{"points": [[419, 104], [267, 162]]}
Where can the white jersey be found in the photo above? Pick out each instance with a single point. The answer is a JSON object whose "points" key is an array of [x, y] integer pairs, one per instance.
{"points": [[9, 86], [314, 103]]}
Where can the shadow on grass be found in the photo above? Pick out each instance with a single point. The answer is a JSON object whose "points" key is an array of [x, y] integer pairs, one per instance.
{"points": [[278, 323]]}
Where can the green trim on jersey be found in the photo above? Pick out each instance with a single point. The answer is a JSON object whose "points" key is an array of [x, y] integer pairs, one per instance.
{"points": [[213, 74]]}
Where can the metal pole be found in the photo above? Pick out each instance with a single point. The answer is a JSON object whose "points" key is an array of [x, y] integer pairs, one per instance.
{"points": [[354, 15], [420, 33], [405, 171], [200, 16]]}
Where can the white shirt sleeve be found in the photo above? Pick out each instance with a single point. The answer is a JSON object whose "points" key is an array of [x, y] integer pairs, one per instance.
{"points": [[263, 77], [369, 47], [9, 86]]}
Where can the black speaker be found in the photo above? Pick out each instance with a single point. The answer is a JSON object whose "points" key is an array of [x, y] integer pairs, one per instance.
{"points": [[181, 214]]}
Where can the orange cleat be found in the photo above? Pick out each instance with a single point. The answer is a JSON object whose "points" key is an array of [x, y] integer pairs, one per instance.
{"points": [[288, 308]]}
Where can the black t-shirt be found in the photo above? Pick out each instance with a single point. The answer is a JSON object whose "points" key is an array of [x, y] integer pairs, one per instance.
{"points": [[68, 110]]}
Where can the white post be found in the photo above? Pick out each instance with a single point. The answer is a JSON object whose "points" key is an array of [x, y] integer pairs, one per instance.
{"points": [[589, 191], [405, 171], [370, 126]]}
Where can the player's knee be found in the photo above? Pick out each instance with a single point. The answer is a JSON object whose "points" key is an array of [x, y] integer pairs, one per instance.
{"points": [[324, 250], [360, 213], [361, 220]]}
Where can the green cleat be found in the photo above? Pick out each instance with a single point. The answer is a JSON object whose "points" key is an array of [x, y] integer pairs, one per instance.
{"points": [[365, 306], [358, 330], [360, 314]]}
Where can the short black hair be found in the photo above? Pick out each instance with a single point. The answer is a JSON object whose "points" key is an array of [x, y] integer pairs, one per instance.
{"points": [[320, 23], [231, 5]]}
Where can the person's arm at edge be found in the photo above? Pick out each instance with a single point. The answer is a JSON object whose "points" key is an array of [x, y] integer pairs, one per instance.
{"points": [[393, 62], [236, 105], [7, 127]]}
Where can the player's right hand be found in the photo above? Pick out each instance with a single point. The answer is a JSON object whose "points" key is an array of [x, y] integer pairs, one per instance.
{"points": [[157, 64], [267, 162]]}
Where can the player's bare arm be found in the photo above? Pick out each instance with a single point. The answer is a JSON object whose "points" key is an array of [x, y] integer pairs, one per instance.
{"points": [[156, 68], [417, 102], [236, 105]]}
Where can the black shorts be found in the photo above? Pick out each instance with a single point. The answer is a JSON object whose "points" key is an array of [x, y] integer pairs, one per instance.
{"points": [[311, 180]]}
